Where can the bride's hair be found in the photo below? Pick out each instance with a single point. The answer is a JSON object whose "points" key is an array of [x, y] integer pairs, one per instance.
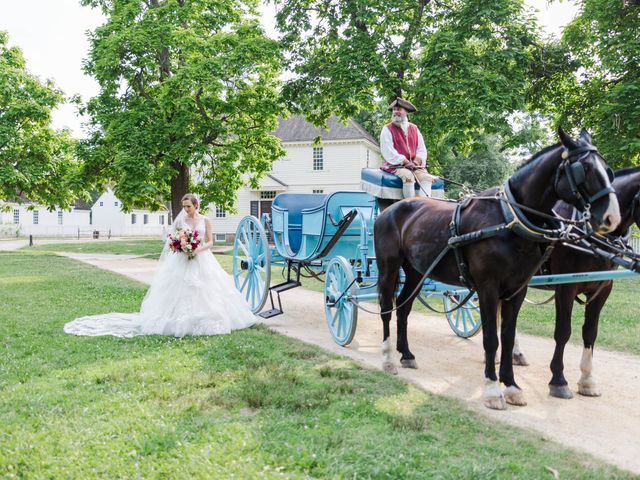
{"points": [[192, 198]]}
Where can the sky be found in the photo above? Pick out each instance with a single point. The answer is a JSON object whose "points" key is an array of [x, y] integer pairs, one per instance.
{"points": [[52, 36]]}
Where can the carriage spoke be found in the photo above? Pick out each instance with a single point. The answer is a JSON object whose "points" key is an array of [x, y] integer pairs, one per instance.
{"points": [[334, 317], [244, 249], [246, 279]]}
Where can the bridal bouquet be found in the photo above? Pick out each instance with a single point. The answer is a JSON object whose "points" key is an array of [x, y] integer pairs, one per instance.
{"points": [[184, 240]]}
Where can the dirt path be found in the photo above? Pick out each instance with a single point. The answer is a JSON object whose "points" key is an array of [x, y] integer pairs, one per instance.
{"points": [[608, 427]]}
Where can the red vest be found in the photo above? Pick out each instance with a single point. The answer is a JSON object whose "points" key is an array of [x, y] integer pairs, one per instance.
{"points": [[404, 145]]}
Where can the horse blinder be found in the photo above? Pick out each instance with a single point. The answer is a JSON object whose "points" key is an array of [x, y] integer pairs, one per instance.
{"points": [[576, 175]]}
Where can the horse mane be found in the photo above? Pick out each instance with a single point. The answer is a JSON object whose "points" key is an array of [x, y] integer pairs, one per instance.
{"points": [[627, 171], [535, 157]]}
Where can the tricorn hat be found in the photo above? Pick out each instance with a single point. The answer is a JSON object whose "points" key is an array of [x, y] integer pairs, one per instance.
{"points": [[399, 102]]}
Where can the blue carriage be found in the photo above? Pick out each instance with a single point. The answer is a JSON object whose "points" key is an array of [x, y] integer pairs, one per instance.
{"points": [[329, 237]]}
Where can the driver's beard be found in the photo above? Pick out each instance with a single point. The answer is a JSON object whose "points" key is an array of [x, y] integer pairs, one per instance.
{"points": [[400, 121]]}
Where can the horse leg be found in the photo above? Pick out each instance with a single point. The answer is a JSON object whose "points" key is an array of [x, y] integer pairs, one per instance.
{"points": [[489, 303], [386, 290], [512, 393], [412, 278], [565, 295], [587, 385], [518, 357]]}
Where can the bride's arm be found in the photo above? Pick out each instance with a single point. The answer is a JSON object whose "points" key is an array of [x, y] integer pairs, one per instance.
{"points": [[208, 237]]}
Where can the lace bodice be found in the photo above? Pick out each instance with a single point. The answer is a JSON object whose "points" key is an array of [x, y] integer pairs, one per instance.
{"points": [[198, 225]]}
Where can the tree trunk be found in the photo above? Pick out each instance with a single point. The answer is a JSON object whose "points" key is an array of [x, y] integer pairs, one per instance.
{"points": [[179, 187]]}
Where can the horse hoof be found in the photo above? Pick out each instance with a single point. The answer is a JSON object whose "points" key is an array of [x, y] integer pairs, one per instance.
{"points": [[560, 391], [514, 396], [589, 390], [519, 359], [408, 363], [495, 403], [389, 368]]}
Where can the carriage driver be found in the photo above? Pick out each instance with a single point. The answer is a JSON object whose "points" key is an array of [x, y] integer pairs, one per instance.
{"points": [[403, 149]]}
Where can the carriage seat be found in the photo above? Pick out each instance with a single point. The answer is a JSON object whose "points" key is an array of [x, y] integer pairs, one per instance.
{"points": [[382, 184], [294, 204]]}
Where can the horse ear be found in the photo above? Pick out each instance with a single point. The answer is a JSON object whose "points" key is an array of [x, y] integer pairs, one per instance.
{"points": [[586, 136], [566, 140]]}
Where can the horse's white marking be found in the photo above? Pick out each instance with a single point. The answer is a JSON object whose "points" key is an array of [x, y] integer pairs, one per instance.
{"points": [[492, 395], [613, 212], [491, 388], [514, 396], [516, 346], [387, 362], [386, 351], [587, 384]]}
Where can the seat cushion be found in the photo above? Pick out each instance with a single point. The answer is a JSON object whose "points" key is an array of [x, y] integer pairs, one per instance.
{"points": [[387, 185]]}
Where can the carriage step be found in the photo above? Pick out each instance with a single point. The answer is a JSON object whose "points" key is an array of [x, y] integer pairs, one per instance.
{"points": [[270, 313], [285, 286]]}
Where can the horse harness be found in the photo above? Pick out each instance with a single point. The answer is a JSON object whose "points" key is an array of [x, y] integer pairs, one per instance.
{"points": [[517, 222]]}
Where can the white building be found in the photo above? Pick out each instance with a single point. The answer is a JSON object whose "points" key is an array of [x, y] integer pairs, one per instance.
{"points": [[332, 165], [107, 216], [28, 218], [104, 216]]}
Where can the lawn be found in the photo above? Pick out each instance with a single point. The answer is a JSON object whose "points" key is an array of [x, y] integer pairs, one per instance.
{"points": [[619, 323], [253, 404]]}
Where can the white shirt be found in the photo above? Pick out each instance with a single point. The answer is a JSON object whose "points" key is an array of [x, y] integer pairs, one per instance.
{"points": [[391, 155]]}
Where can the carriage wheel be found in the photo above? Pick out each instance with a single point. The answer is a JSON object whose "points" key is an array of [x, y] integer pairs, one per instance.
{"points": [[251, 262], [465, 321], [341, 312]]}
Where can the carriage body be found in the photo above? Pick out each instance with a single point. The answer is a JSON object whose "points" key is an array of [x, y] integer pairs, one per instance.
{"points": [[327, 236]]}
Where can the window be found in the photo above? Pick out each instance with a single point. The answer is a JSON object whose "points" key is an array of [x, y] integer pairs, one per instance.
{"points": [[367, 157], [36, 217], [268, 195], [115, 204], [60, 217], [318, 158], [318, 191], [16, 215], [220, 237], [161, 219], [145, 219], [133, 218], [101, 204], [220, 213]]}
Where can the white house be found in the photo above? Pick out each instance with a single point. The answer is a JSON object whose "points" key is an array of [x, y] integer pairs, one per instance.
{"points": [[107, 216], [104, 216], [28, 218], [332, 165]]}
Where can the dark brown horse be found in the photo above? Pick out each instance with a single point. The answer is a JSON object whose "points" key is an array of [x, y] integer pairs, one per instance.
{"points": [[412, 233], [566, 260]]}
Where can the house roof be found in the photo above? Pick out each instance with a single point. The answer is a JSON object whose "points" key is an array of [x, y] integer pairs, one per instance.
{"points": [[80, 204], [269, 182], [297, 129]]}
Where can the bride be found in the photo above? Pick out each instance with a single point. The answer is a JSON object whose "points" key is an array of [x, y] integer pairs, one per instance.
{"points": [[188, 296]]}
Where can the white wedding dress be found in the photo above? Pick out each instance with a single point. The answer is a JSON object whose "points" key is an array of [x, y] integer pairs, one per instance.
{"points": [[186, 297]]}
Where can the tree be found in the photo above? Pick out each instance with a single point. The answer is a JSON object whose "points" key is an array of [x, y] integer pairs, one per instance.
{"points": [[465, 64], [187, 100], [35, 160], [600, 88], [483, 168]]}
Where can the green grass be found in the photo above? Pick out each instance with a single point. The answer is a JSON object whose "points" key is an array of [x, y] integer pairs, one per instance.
{"points": [[253, 404], [144, 247]]}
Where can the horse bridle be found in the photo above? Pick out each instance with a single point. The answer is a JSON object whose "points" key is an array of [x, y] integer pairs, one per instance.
{"points": [[576, 175]]}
